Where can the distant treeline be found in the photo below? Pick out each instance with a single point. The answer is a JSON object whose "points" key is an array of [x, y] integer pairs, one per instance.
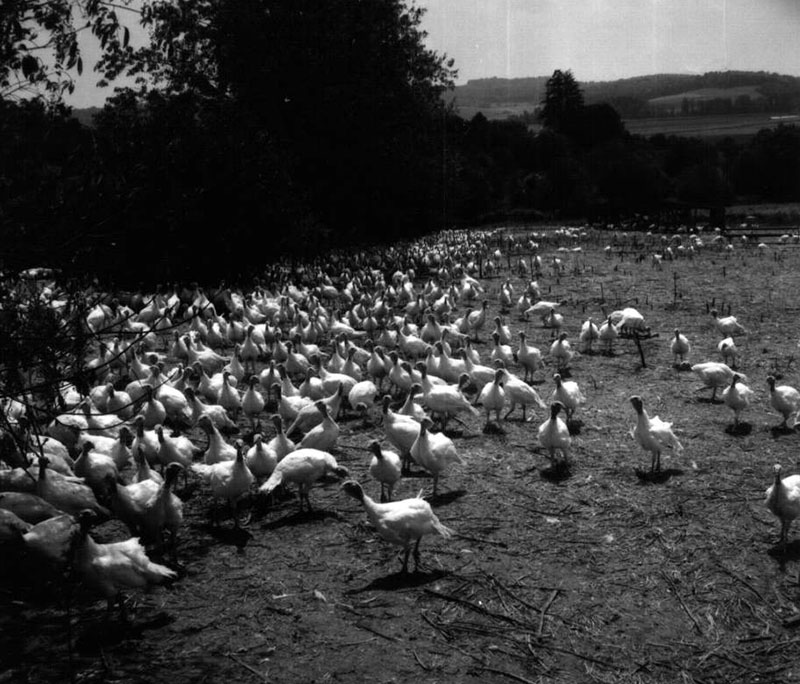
{"points": [[633, 97], [154, 191]]}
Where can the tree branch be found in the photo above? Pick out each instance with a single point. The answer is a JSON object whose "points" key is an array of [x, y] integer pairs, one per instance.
{"points": [[122, 7]]}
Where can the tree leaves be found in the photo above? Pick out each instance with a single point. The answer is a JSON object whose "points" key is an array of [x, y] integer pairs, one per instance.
{"points": [[563, 101], [52, 26], [30, 67]]}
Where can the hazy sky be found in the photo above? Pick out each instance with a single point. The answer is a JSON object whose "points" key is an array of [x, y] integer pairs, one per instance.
{"points": [[609, 39], [596, 39]]}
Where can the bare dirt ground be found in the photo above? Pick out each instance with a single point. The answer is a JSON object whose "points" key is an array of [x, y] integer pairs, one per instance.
{"points": [[602, 575]]}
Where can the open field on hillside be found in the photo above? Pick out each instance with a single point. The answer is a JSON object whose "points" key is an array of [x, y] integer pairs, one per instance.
{"points": [[601, 573], [765, 212], [496, 112], [712, 126], [708, 94], [735, 125]]}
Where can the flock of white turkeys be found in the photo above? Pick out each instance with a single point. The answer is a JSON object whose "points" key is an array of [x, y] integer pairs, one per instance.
{"points": [[265, 377]]}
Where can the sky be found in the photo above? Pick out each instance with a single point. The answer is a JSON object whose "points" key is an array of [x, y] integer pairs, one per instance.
{"points": [[597, 39], [608, 39]]}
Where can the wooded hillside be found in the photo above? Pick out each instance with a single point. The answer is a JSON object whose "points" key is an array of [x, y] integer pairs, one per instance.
{"points": [[641, 96]]}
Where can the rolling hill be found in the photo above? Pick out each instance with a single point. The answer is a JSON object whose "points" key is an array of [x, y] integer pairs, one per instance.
{"points": [[657, 95]]}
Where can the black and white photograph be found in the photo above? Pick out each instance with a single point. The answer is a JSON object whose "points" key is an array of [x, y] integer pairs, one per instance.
{"points": [[399, 340]]}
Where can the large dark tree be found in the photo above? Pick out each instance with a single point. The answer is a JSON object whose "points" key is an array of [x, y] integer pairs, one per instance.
{"points": [[769, 166], [253, 119], [345, 91], [563, 102], [596, 124], [627, 176], [349, 92]]}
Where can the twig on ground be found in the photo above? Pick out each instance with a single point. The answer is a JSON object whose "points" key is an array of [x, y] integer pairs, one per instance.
{"points": [[683, 605], [480, 541], [502, 600], [439, 628], [725, 656], [355, 643], [425, 667], [258, 674], [560, 649], [546, 606], [475, 607], [732, 574], [388, 637], [510, 675], [498, 583]]}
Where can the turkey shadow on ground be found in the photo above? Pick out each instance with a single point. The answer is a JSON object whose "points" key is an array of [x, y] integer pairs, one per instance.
{"points": [[464, 434], [658, 476], [574, 426], [493, 428], [109, 632], [189, 489], [443, 499], [740, 430], [708, 400], [191, 548], [401, 580], [784, 553], [519, 419], [300, 518], [416, 473], [556, 472], [230, 535], [460, 433], [261, 503], [781, 431]]}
